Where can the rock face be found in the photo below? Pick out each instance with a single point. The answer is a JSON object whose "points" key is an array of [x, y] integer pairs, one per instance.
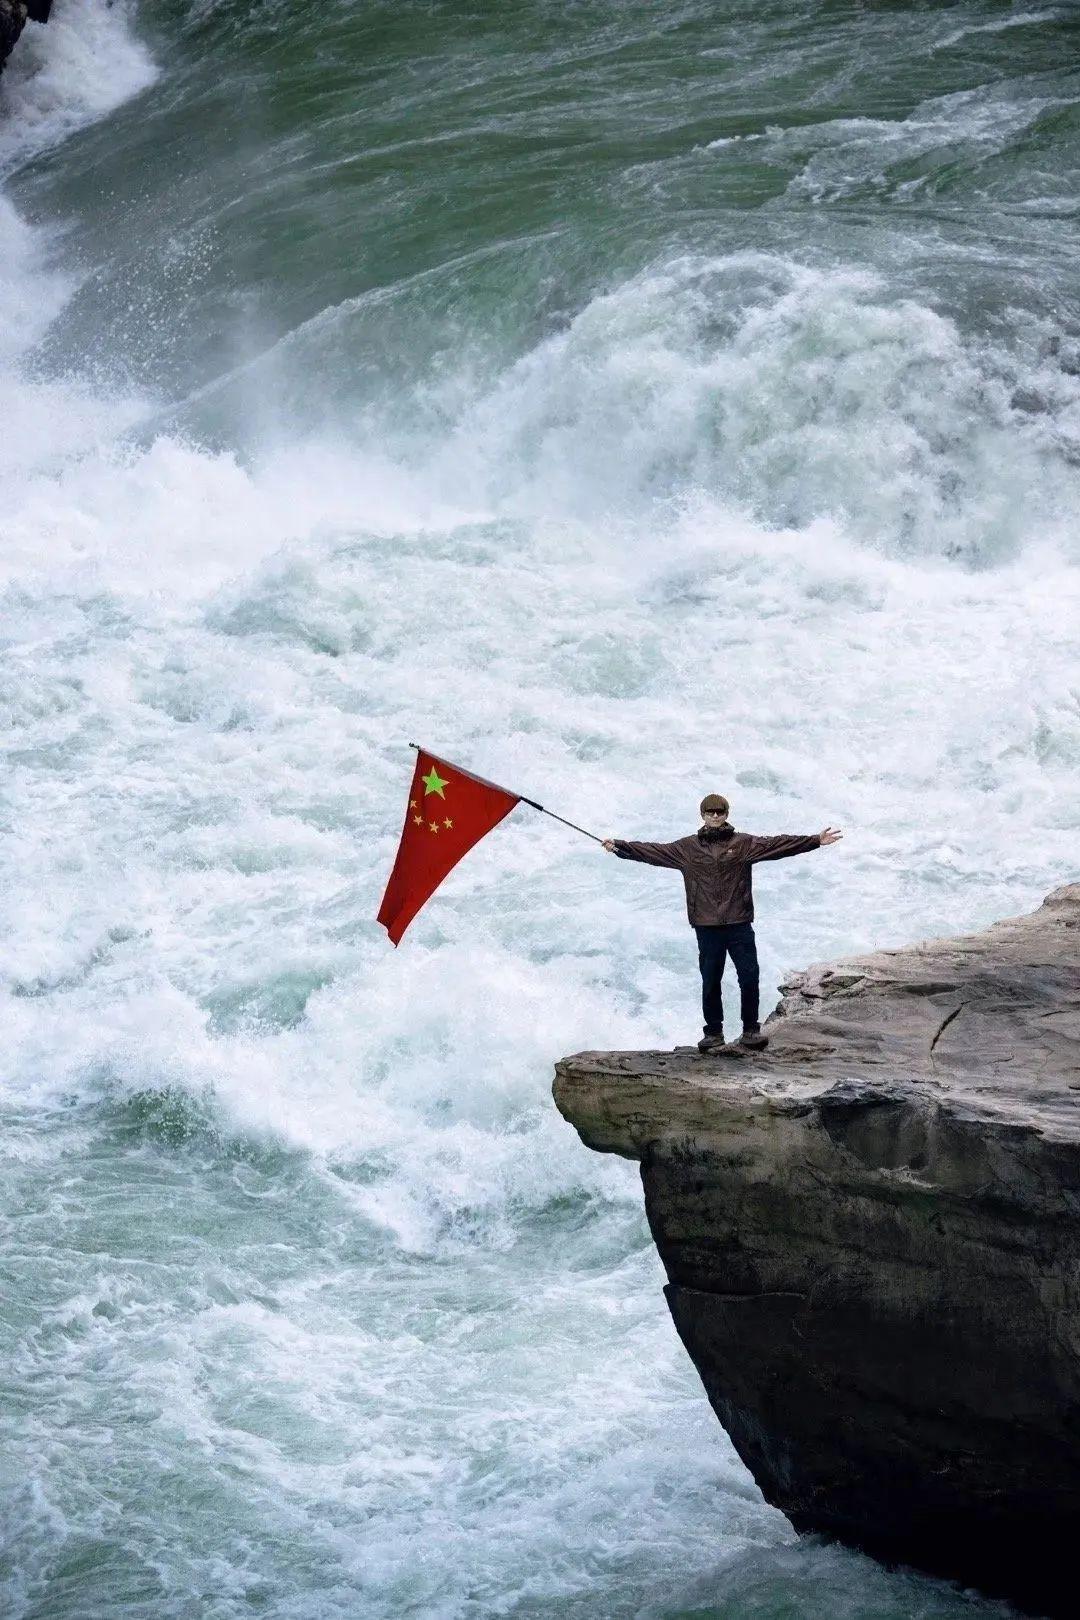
{"points": [[872, 1238], [13, 15], [12, 18]]}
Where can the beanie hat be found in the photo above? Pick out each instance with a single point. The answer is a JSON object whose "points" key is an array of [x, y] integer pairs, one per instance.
{"points": [[714, 801]]}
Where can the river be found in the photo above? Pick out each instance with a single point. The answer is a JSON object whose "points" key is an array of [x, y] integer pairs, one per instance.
{"points": [[626, 401]]}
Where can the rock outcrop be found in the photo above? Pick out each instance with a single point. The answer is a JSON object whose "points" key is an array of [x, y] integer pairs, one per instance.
{"points": [[872, 1238], [13, 16]]}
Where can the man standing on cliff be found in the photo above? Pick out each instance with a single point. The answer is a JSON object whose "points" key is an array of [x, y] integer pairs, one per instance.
{"points": [[715, 864]]}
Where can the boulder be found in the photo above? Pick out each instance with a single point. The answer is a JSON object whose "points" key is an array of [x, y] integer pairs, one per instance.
{"points": [[872, 1243]]}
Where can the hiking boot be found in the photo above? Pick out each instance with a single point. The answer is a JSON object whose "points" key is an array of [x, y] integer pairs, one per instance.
{"points": [[711, 1043], [753, 1040]]}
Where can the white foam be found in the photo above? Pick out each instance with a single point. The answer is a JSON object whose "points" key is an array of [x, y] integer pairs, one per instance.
{"points": [[849, 158], [61, 77], [65, 74], [216, 668], [744, 525], [793, 392], [998, 25]]}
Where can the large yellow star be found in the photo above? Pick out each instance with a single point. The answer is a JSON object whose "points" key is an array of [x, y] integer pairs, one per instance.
{"points": [[434, 783]]}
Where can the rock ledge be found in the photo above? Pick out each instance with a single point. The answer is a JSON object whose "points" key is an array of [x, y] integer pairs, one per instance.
{"points": [[871, 1238]]}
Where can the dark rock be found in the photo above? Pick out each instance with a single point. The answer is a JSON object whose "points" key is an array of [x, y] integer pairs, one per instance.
{"points": [[13, 16], [871, 1238]]}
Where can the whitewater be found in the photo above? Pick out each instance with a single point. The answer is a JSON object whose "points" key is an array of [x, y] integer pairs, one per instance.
{"points": [[625, 406]]}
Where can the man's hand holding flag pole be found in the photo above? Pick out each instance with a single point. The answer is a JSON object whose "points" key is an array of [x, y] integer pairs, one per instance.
{"points": [[449, 811]]}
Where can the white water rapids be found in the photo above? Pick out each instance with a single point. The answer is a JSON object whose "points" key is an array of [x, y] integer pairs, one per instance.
{"points": [[316, 1307]]}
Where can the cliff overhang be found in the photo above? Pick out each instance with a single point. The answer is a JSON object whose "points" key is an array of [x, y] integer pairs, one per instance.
{"points": [[872, 1243]]}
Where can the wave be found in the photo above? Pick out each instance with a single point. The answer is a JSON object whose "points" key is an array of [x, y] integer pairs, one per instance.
{"points": [[86, 62], [787, 392], [793, 394]]}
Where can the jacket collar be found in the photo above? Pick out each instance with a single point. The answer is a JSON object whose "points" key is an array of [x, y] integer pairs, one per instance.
{"points": [[716, 835]]}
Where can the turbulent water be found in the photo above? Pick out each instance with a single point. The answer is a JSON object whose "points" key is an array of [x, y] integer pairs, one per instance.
{"points": [[626, 401]]}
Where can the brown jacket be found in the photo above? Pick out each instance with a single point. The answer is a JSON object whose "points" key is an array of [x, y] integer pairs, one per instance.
{"points": [[716, 868]]}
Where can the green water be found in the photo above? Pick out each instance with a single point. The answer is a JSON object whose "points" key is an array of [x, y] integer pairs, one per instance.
{"points": [[628, 401]]}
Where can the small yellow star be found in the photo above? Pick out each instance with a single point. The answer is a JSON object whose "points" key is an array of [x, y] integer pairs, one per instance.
{"points": [[412, 804], [418, 820], [447, 822], [434, 825]]}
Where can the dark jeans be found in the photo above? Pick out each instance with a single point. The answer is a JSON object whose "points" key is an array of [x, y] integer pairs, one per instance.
{"points": [[715, 945]]}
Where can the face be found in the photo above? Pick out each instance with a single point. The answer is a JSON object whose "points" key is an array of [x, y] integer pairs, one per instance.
{"points": [[714, 818]]}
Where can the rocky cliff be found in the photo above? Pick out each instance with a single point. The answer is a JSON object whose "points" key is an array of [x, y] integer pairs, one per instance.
{"points": [[871, 1238]]}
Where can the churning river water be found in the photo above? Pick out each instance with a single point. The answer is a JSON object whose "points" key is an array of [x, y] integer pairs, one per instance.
{"points": [[626, 400]]}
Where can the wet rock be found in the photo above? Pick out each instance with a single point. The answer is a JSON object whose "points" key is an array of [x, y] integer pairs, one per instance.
{"points": [[13, 16], [872, 1242]]}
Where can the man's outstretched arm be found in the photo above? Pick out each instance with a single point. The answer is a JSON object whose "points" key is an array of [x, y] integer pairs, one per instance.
{"points": [[650, 854], [783, 844]]}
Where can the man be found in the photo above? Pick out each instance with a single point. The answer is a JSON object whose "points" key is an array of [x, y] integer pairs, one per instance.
{"points": [[715, 863]]}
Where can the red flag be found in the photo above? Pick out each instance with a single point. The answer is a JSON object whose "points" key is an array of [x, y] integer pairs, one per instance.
{"points": [[449, 811]]}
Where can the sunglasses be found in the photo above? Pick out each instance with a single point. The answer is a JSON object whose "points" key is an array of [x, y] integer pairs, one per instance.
{"points": [[714, 812]]}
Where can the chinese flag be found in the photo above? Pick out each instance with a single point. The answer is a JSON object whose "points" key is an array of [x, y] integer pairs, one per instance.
{"points": [[449, 811]]}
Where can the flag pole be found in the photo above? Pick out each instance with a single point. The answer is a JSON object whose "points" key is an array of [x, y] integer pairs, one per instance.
{"points": [[519, 796]]}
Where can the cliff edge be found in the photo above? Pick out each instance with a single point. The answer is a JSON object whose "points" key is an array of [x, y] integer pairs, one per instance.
{"points": [[871, 1238]]}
